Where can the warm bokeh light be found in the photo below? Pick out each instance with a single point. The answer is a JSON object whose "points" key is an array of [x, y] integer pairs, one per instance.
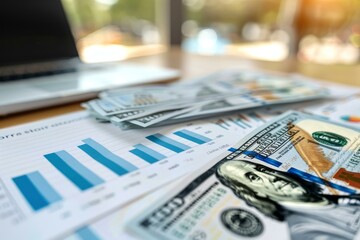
{"points": [[320, 31]]}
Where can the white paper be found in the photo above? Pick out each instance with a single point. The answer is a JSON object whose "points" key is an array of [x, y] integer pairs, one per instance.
{"points": [[23, 150]]}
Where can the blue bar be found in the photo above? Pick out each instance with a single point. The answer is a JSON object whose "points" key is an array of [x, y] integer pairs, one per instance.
{"points": [[191, 136], [168, 143], [34, 191], [82, 177], [86, 233], [147, 154], [44, 187], [107, 158]]}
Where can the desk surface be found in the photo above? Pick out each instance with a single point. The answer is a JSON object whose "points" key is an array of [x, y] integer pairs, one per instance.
{"points": [[192, 65]]}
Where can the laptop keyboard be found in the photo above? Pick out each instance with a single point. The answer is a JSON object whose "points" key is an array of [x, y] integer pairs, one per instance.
{"points": [[18, 75]]}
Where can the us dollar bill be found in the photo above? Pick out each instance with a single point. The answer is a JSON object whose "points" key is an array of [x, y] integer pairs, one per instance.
{"points": [[137, 114], [160, 116], [264, 98], [296, 177], [149, 96]]}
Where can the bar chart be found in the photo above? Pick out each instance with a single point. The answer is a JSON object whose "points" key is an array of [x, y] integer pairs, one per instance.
{"points": [[39, 193], [70, 170]]}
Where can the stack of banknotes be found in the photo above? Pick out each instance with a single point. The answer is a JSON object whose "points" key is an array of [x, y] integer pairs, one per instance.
{"points": [[216, 94]]}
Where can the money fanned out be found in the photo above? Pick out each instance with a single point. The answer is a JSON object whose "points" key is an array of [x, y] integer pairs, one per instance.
{"points": [[212, 95], [296, 177]]}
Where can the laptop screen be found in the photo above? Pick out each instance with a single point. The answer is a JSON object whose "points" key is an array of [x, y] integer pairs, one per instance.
{"points": [[34, 31]]}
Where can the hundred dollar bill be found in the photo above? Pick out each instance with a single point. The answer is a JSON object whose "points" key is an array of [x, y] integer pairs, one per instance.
{"points": [[145, 97], [269, 97], [296, 177], [107, 111], [137, 114], [152, 119]]}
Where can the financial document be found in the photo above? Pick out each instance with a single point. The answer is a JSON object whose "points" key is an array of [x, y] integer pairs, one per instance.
{"points": [[70, 170]]}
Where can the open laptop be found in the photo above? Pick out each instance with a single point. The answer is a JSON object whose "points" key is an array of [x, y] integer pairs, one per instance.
{"points": [[40, 65]]}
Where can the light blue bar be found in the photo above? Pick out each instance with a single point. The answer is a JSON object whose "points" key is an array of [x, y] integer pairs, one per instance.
{"points": [[44, 187], [147, 154], [86, 233], [158, 156], [168, 143], [109, 155], [116, 168], [77, 166], [73, 170], [68, 171], [194, 137]]}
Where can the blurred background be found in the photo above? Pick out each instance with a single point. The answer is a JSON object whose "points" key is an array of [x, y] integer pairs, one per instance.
{"points": [[316, 31]]}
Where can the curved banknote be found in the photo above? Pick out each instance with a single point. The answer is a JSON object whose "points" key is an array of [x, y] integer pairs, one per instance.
{"points": [[296, 177]]}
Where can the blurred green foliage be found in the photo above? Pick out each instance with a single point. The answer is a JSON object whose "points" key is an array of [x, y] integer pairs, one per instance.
{"points": [[89, 15]]}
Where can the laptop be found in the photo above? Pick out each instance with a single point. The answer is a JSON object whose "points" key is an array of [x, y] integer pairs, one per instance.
{"points": [[40, 65]]}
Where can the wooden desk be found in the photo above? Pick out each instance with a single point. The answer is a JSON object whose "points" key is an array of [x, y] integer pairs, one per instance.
{"points": [[192, 65]]}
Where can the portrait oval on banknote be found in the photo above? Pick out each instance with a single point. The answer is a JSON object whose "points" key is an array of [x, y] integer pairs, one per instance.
{"points": [[242, 222]]}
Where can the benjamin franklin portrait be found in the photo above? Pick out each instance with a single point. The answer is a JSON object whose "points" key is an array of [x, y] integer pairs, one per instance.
{"points": [[282, 196]]}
